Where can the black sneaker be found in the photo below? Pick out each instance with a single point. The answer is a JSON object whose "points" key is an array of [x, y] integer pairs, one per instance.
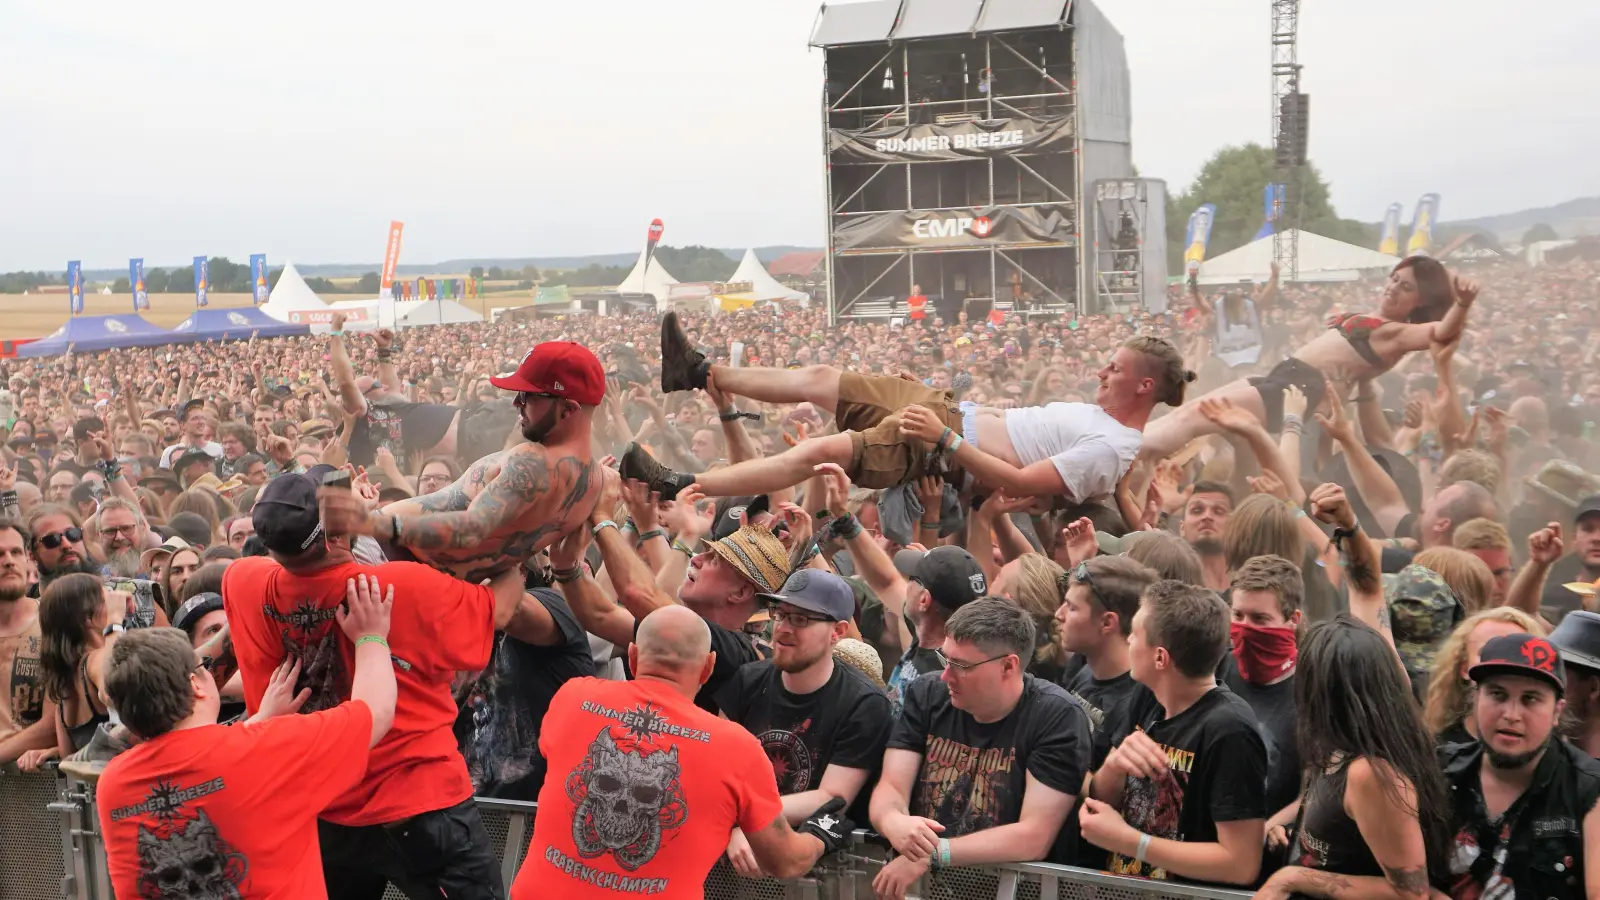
{"points": [[637, 464], [682, 366]]}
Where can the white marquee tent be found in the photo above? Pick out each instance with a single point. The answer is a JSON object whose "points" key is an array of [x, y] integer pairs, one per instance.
{"points": [[656, 284], [1321, 259], [412, 313], [291, 294], [762, 285]]}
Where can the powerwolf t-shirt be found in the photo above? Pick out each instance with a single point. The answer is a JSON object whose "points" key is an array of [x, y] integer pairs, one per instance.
{"points": [[439, 626], [222, 811], [1216, 772], [644, 789], [974, 774]]}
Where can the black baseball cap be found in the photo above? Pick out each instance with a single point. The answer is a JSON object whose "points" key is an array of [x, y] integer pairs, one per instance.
{"points": [[1522, 654], [1587, 506], [952, 576], [286, 516], [190, 457], [814, 590], [194, 608], [729, 510]]}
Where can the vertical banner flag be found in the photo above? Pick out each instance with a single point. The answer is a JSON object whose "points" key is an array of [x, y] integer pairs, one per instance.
{"points": [[654, 238], [1274, 198], [1421, 240], [1197, 235], [258, 278], [422, 289], [391, 259], [141, 298], [75, 286], [202, 283], [1389, 239], [433, 290]]}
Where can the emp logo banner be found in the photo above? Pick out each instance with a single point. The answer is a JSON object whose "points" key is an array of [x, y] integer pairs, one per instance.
{"points": [[1044, 225]]}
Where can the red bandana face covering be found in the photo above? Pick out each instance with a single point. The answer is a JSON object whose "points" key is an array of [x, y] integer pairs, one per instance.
{"points": [[1264, 654]]}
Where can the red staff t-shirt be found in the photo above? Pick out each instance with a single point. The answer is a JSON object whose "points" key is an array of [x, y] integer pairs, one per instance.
{"points": [[918, 305], [643, 791], [439, 626], [230, 811]]}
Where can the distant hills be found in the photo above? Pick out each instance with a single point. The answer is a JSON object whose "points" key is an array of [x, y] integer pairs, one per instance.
{"points": [[336, 270], [1574, 218]]}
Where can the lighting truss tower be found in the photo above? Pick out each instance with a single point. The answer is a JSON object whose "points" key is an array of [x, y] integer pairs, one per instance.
{"points": [[1290, 116]]}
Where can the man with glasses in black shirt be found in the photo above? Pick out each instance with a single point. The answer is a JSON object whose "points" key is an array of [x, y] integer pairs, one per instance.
{"points": [[823, 725], [1183, 794], [985, 761]]}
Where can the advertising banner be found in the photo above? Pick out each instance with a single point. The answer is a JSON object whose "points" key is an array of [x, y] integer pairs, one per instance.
{"points": [[141, 297], [325, 316], [1421, 240], [1273, 199], [75, 286], [391, 258], [1389, 240], [202, 281], [963, 140], [258, 278], [1197, 235], [928, 230]]}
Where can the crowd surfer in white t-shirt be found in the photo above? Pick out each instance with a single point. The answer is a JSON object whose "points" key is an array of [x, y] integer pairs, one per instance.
{"points": [[894, 430]]}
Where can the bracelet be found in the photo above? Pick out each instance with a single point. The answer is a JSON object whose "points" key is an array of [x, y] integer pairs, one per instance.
{"points": [[372, 639], [385, 354], [955, 443], [627, 526], [338, 333], [10, 498], [1339, 534], [926, 524], [683, 548], [1143, 848], [1297, 512], [567, 576], [847, 526], [603, 524], [944, 438], [652, 533], [941, 855]]}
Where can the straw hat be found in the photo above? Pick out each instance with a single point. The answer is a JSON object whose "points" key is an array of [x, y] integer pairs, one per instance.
{"points": [[758, 555], [168, 547], [860, 656]]}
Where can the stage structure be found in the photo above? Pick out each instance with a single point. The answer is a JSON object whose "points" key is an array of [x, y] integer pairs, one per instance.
{"points": [[965, 143], [1291, 119]]}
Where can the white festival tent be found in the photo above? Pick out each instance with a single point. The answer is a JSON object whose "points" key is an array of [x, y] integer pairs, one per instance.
{"points": [[762, 285], [656, 284], [412, 313], [290, 295], [1321, 259]]}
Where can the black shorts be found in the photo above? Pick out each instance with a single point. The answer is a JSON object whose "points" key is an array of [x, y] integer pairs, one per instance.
{"points": [[1291, 371], [446, 853]]}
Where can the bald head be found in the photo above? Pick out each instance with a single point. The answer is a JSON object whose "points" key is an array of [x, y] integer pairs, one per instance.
{"points": [[673, 638], [1531, 415]]}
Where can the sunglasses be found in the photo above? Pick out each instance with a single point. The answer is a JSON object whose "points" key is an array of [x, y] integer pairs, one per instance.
{"points": [[530, 396], [1081, 575], [56, 538]]}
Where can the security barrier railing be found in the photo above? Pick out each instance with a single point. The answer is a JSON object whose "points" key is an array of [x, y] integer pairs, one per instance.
{"points": [[50, 848]]}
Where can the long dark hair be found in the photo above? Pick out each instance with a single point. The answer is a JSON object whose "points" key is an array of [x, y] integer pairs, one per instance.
{"points": [[1351, 701], [1433, 286], [66, 611]]}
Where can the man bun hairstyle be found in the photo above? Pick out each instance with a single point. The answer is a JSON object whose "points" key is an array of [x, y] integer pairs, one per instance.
{"points": [[1165, 364]]}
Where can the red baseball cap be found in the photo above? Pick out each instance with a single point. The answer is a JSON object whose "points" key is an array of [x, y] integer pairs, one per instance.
{"points": [[561, 369]]}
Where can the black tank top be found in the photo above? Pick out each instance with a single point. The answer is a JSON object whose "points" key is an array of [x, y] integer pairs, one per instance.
{"points": [[80, 735], [1329, 839]]}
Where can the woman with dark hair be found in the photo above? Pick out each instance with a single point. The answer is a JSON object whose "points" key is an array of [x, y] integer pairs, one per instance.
{"points": [[1422, 305], [78, 622], [1374, 815]]}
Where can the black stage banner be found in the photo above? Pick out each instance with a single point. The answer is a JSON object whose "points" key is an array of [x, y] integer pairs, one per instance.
{"points": [[966, 140], [1003, 225]]}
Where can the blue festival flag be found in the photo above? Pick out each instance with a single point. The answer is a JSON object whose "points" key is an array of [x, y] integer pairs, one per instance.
{"points": [[201, 282], [1389, 239], [1273, 199], [1421, 241], [75, 286], [141, 298], [258, 278], [1197, 235]]}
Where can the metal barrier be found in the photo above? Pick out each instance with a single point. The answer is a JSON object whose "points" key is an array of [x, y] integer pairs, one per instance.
{"points": [[50, 848]]}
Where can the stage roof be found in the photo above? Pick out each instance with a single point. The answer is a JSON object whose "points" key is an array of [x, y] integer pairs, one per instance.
{"points": [[888, 20], [1321, 259]]}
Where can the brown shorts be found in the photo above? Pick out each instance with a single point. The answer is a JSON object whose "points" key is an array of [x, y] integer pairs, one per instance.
{"points": [[869, 409]]}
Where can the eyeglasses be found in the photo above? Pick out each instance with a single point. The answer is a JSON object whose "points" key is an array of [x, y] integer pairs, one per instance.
{"points": [[56, 538], [530, 396], [128, 530], [795, 619], [965, 667], [209, 663]]}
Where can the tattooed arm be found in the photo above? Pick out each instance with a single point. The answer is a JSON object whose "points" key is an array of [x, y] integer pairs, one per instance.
{"points": [[1388, 823], [524, 481]]}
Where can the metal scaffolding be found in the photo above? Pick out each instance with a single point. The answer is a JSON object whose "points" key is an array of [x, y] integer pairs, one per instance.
{"points": [[1288, 135]]}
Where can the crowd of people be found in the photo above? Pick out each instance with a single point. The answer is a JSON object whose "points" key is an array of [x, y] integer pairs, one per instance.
{"points": [[1286, 588]]}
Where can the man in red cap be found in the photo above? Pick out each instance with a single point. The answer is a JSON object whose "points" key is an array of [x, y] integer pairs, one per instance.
{"points": [[511, 504]]}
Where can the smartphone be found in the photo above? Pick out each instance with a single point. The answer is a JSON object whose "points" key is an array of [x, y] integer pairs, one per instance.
{"points": [[337, 479]]}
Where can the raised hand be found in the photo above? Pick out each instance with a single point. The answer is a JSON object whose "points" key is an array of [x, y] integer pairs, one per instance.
{"points": [[610, 496], [836, 487], [920, 422], [1080, 541], [685, 520], [1464, 289], [721, 400], [1330, 506], [1294, 402], [641, 502], [384, 338], [570, 550], [1335, 423], [1165, 485], [799, 524], [337, 321], [1268, 482], [1545, 546]]}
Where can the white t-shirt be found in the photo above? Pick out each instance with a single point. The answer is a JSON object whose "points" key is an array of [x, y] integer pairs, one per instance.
{"points": [[1091, 450], [171, 454]]}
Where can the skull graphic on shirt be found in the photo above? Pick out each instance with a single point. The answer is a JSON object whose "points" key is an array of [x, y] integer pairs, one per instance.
{"points": [[626, 799]]}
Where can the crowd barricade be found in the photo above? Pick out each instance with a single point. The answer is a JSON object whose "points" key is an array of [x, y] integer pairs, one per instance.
{"points": [[50, 848]]}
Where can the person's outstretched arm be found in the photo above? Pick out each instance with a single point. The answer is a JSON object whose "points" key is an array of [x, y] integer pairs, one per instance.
{"points": [[1545, 546], [1040, 479], [365, 621], [1376, 488]]}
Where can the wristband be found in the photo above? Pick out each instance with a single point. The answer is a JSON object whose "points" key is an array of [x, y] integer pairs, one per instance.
{"points": [[683, 548], [627, 526], [652, 533], [111, 629], [944, 438], [338, 333], [955, 443], [926, 524], [1297, 512], [941, 855], [372, 639], [603, 524], [847, 526], [385, 354], [1339, 534], [567, 576], [10, 498], [1143, 848]]}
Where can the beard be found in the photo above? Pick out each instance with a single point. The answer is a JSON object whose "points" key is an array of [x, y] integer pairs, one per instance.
{"points": [[1207, 546], [538, 431], [124, 563], [81, 567], [791, 660], [1507, 761], [13, 589]]}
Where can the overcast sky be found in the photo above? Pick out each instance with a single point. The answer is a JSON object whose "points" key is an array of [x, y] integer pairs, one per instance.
{"points": [[174, 128]]}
